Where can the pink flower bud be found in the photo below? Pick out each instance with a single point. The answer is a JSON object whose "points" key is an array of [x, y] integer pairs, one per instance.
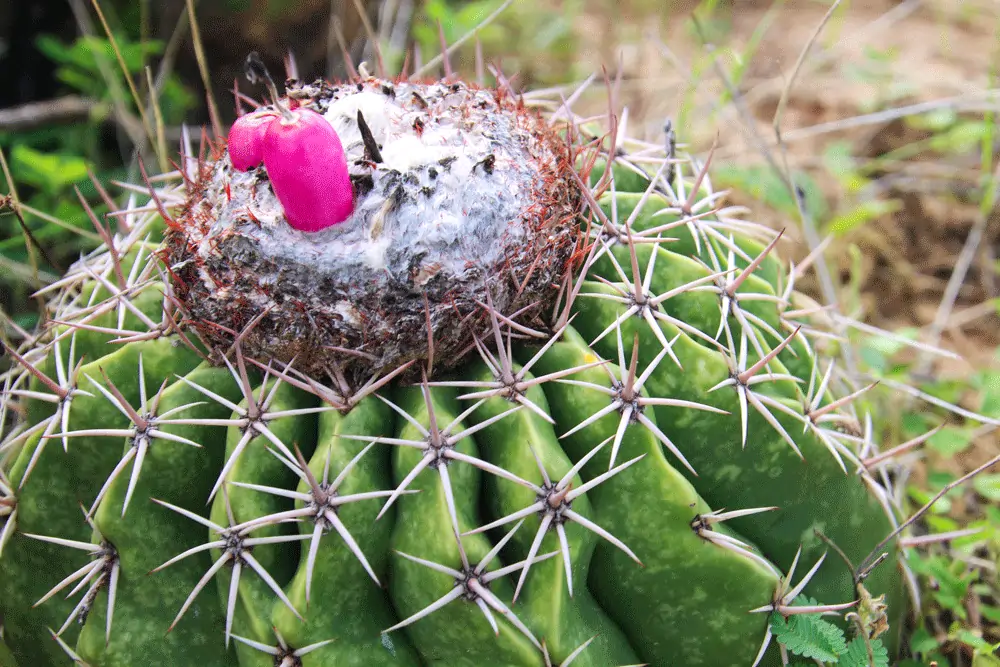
{"points": [[307, 167], [246, 139]]}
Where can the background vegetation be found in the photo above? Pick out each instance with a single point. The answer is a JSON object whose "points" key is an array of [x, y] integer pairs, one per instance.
{"points": [[888, 125]]}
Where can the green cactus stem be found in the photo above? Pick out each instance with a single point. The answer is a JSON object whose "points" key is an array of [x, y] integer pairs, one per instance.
{"points": [[519, 409]]}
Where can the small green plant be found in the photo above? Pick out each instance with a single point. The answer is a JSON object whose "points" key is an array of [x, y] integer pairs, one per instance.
{"points": [[81, 66], [547, 44], [812, 637], [51, 162]]}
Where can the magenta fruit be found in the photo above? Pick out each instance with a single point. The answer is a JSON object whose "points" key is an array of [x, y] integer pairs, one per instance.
{"points": [[308, 170], [246, 139]]}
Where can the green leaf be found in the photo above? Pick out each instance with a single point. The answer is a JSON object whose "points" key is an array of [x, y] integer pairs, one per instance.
{"points": [[950, 440], [865, 212], [990, 387], [52, 48], [839, 160], [991, 614], [887, 346], [82, 82], [857, 654], [87, 48], [939, 479], [961, 138], [988, 486], [809, 635], [763, 184], [952, 579], [985, 660], [47, 171], [972, 639], [934, 121], [914, 424], [941, 524], [922, 641]]}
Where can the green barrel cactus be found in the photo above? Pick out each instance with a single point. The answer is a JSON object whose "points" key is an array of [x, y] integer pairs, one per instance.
{"points": [[541, 398]]}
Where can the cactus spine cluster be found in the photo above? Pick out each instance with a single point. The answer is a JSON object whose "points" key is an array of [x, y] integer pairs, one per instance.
{"points": [[613, 434]]}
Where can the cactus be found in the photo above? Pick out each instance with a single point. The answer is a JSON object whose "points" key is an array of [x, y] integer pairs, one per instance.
{"points": [[541, 398]]}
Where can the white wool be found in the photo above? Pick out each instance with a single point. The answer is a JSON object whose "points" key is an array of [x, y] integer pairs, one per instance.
{"points": [[434, 203]]}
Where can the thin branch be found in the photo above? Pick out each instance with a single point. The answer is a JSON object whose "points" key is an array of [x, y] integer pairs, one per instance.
{"points": [[962, 265], [436, 60], [873, 558], [147, 128]]}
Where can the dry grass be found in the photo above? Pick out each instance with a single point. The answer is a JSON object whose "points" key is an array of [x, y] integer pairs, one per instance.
{"points": [[940, 56]]}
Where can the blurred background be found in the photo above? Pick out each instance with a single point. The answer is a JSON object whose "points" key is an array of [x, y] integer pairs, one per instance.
{"points": [[889, 128]]}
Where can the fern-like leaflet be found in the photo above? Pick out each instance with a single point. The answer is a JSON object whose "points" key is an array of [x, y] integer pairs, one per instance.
{"points": [[809, 635]]}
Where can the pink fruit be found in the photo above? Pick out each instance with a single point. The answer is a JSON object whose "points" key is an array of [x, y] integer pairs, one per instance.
{"points": [[307, 167], [246, 139]]}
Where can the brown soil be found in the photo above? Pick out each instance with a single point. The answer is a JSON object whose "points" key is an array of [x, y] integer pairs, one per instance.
{"points": [[940, 49]]}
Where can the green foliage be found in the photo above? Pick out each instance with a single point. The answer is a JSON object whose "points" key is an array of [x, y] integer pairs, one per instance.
{"points": [[809, 635], [988, 486], [856, 654], [546, 43], [764, 185], [812, 636], [952, 578], [48, 172], [80, 69], [49, 162], [877, 69], [866, 211]]}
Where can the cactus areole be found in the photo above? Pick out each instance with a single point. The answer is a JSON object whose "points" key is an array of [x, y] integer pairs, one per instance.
{"points": [[420, 375], [341, 244]]}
